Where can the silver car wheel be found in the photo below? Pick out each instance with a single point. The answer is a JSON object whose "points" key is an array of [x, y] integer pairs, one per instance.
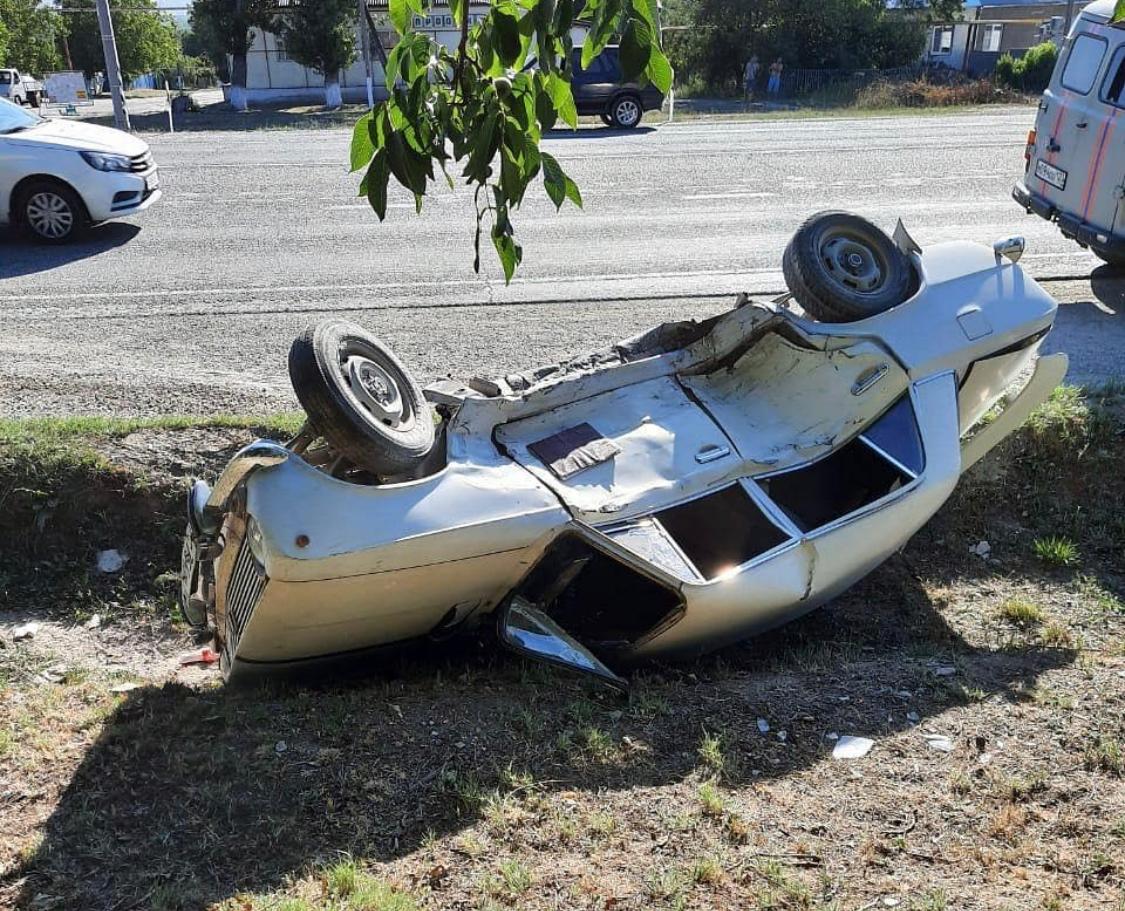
{"points": [[49, 215], [627, 112]]}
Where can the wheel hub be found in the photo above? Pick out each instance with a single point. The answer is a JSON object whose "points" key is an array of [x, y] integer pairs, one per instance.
{"points": [[49, 215], [852, 263], [376, 390]]}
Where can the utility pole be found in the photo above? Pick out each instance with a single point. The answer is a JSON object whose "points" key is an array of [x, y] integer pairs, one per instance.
{"points": [[112, 66], [1069, 17], [365, 44]]}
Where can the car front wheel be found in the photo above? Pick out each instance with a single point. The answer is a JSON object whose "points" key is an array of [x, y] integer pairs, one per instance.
{"points": [[626, 112], [52, 213]]}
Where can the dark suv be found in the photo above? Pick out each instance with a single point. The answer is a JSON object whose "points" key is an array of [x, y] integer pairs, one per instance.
{"points": [[600, 90]]}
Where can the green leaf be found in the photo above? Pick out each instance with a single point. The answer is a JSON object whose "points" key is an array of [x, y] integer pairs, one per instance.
{"points": [[562, 98], [509, 251], [557, 184], [636, 49], [506, 38], [646, 10], [659, 70], [459, 9], [362, 146], [400, 15], [1118, 12], [376, 179]]}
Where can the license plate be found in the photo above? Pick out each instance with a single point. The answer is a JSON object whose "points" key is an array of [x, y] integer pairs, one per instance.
{"points": [[152, 182], [1056, 177]]}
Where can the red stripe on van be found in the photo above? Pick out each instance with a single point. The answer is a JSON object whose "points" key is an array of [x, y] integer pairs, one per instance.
{"points": [[1097, 161]]}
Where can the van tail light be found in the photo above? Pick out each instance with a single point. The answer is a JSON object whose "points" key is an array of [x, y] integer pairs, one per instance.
{"points": [[1029, 149]]}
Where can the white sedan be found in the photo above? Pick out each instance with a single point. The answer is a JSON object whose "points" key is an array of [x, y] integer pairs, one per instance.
{"points": [[57, 177]]}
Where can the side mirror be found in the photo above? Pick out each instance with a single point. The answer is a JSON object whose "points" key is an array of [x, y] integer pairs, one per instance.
{"points": [[528, 631]]}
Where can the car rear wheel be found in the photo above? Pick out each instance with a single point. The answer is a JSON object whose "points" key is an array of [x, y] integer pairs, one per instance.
{"points": [[625, 112], [361, 398], [840, 268], [51, 212]]}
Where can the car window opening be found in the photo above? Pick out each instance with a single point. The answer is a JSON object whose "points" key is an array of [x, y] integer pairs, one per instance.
{"points": [[1114, 91], [721, 531], [844, 482], [603, 603], [1083, 64]]}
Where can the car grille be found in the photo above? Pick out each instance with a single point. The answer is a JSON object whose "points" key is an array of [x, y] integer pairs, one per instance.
{"points": [[247, 580], [141, 163]]}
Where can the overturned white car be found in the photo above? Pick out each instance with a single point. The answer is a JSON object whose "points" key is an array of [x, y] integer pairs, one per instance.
{"points": [[689, 487]]}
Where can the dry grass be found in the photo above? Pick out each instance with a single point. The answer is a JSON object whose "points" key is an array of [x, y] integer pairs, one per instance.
{"points": [[455, 776]]}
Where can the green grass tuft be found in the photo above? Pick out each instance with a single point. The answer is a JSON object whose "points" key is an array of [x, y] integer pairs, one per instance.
{"points": [[1056, 551]]}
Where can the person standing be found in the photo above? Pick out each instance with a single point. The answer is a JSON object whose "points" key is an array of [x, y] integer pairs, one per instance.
{"points": [[776, 68], [750, 76]]}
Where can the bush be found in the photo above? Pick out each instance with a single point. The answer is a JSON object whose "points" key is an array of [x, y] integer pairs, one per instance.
{"points": [[1032, 71], [917, 93]]}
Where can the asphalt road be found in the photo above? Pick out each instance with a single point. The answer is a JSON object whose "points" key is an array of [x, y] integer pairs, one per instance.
{"points": [[191, 307]]}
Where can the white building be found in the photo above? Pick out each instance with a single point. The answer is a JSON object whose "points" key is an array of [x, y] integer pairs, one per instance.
{"points": [[272, 77]]}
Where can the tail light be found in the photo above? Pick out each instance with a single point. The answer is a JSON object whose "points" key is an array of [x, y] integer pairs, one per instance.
{"points": [[1029, 150]]}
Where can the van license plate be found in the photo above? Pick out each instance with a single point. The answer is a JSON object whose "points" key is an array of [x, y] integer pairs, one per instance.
{"points": [[152, 182], [1056, 177]]}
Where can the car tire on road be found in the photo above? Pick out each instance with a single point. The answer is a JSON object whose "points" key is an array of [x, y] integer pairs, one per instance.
{"points": [[1112, 260], [361, 398], [841, 268], [51, 212], [626, 112]]}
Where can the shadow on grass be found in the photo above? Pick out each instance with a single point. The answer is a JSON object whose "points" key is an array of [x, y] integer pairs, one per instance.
{"points": [[194, 796]]}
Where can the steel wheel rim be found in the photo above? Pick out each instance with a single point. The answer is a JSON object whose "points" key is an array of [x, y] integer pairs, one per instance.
{"points": [[852, 262], [627, 112], [376, 390], [50, 215]]}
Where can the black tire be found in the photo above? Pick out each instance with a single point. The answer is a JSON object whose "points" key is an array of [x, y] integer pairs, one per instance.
{"points": [[841, 268], [51, 212], [1113, 260], [626, 112], [606, 119], [360, 398]]}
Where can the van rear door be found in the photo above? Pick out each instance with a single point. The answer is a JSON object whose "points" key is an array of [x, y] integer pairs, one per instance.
{"points": [[1074, 129]]}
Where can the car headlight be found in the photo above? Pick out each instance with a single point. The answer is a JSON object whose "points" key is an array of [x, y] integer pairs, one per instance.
{"points": [[104, 162]]}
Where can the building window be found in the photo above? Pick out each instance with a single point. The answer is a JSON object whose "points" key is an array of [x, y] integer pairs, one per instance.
{"points": [[992, 35], [279, 46], [942, 40]]}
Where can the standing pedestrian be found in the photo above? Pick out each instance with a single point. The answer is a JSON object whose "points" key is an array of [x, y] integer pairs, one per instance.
{"points": [[774, 87], [750, 76]]}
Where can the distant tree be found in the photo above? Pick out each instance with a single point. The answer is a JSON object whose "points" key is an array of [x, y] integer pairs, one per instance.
{"points": [[814, 34], [320, 34], [227, 27], [3, 42], [200, 41], [1032, 71], [146, 41], [32, 33]]}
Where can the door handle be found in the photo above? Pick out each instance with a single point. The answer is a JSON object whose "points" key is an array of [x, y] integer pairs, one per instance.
{"points": [[1082, 125], [1053, 146]]}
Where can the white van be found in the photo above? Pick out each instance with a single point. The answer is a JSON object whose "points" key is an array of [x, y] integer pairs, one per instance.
{"points": [[1076, 153]]}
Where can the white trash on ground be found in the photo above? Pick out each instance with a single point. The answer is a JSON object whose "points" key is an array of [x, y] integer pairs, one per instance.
{"points": [[938, 742], [110, 561], [27, 631], [849, 747]]}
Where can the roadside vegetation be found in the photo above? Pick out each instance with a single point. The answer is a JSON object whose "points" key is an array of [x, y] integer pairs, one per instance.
{"points": [[455, 775]]}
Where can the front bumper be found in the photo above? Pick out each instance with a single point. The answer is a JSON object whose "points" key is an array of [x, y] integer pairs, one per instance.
{"points": [[116, 194], [1088, 235]]}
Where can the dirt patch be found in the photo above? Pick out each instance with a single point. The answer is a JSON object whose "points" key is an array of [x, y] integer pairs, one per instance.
{"points": [[991, 681]]}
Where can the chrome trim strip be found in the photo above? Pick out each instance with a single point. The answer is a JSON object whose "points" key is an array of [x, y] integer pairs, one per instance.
{"points": [[880, 451]]}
